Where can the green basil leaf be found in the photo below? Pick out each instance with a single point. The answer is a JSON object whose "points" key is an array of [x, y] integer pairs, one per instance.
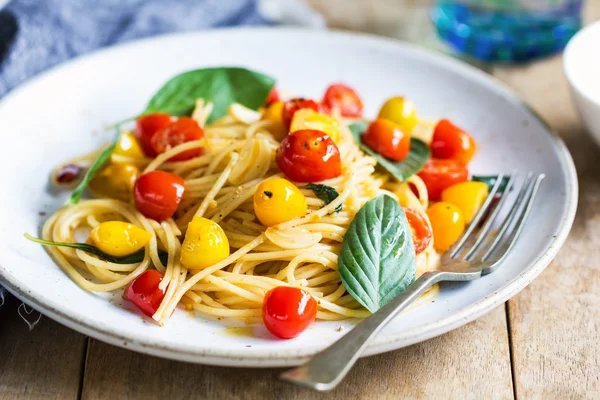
{"points": [[490, 180], [136, 257], [93, 170], [325, 193], [377, 260], [222, 86], [402, 170]]}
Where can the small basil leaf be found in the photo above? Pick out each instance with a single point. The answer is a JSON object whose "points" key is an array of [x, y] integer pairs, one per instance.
{"points": [[102, 159], [490, 181], [402, 170], [222, 86], [325, 193], [136, 257], [377, 259]]}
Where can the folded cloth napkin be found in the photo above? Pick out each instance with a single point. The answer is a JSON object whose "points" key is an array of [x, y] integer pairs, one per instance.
{"points": [[35, 35]]}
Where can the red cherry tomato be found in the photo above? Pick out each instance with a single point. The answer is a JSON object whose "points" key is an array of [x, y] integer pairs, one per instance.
{"points": [[288, 311], [183, 130], [386, 138], [421, 232], [144, 293], [451, 142], [145, 128], [291, 106], [309, 155], [343, 98], [272, 97], [157, 194], [440, 174]]}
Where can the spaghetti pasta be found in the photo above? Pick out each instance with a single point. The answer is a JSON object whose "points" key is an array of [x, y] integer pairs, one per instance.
{"points": [[216, 217], [219, 185]]}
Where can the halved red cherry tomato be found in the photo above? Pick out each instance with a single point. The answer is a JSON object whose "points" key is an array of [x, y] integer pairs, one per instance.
{"points": [[309, 155], [293, 105], [421, 232], [451, 142], [386, 138], [145, 128], [184, 129], [272, 97], [343, 98], [157, 194], [288, 311], [144, 293], [440, 174]]}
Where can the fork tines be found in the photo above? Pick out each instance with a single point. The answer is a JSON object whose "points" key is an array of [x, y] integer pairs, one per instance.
{"points": [[479, 243]]}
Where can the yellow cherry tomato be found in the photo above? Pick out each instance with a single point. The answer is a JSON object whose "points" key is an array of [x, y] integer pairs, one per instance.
{"points": [[205, 244], [273, 115], [401, 111], [447, 224], [278, 200], [128, 146], [119, 238], [306, 118], [115, 181], [468, 196]]}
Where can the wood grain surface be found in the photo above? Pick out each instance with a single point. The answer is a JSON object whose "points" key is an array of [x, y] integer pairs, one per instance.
{"points": [[444, 366], [555, 322], [44, 363], [549, 345]]}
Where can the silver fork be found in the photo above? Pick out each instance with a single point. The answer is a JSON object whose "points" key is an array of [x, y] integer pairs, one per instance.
{"points": [[478, 252]]}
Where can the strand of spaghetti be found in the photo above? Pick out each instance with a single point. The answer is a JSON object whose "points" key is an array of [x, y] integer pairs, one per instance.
{"points": [[204, 273], [234, 289], [227, 312], [98, 263], [335, 295], [220, 156], [161, 158], [170, 242], [193, 296], [217, 186], [348, 312], [209, 301]]}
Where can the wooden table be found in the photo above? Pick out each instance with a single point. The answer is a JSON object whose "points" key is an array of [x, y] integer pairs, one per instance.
{"points": [[543, 343]]}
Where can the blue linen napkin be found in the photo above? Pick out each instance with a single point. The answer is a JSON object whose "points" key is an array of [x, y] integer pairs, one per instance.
{"points": [[35, 35]]}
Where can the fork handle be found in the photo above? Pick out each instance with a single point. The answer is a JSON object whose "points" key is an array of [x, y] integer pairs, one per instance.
{"points": [[325, 370]]}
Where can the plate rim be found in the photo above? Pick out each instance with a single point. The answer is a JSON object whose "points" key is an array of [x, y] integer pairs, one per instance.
{"points": [[387, 343]]}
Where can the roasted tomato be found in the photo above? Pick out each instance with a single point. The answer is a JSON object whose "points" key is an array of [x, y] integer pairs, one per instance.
{"points": [[309, 156], [288, 311], [451, 142], [441, 174], [272, 97], [278, 200], [144, 292], [447, 223], [387, 139], [157, 194], [293, 105], [145, 128], [421, 232], [183, 130], [343, 98]]}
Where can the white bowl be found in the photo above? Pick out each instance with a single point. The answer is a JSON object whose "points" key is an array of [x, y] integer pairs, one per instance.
{"points": [[582, 68]]}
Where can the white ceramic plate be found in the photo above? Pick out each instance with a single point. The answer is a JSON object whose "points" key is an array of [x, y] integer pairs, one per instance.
{"points": [[61, 114]]}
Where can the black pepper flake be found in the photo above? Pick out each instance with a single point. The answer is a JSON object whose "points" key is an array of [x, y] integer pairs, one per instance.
{"points": [[268, 193]]}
